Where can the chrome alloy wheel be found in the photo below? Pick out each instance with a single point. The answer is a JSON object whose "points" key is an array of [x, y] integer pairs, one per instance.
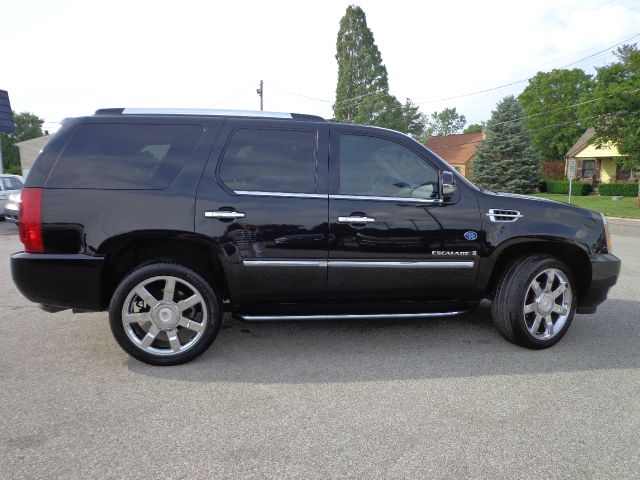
{"points": [[547, 304], [164, 315]]}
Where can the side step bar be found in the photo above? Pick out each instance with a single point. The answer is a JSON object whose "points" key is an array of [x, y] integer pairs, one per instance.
{"points": [[365, 316]]}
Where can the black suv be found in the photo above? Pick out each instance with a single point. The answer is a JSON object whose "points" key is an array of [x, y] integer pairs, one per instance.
{"points": [[170, 217]]}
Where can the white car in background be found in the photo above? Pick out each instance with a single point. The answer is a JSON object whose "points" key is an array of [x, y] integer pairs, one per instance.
{"points": [[10, 189]]}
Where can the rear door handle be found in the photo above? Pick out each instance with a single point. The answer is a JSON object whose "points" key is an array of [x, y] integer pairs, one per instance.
{"points": [[354, 219], [223, 214]]}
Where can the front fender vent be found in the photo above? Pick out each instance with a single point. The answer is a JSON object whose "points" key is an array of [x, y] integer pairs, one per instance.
{"points": [[499, 215]]}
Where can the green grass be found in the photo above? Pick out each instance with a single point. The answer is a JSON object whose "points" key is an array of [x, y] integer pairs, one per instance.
{"points": [[625, 208]]}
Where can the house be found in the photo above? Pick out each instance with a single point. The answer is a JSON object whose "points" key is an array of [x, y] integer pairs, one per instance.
{"points": [[596, 164], [29, 150], [457, 150]]}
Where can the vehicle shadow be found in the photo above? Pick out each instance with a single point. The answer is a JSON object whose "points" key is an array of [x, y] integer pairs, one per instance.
{"points": [[354, 351]]}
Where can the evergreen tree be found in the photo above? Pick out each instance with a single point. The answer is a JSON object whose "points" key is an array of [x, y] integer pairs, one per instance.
{"points": [[362, 93], [506, 160]]}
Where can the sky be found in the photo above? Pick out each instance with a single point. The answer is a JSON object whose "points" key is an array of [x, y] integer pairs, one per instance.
{"points": [[67, 58]]}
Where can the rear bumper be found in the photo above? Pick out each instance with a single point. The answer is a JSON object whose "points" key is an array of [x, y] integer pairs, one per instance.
{"points": [[70, 281], [605, 268]]}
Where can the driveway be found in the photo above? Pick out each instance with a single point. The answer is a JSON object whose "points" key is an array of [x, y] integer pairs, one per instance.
{"points": [[439, 398]]}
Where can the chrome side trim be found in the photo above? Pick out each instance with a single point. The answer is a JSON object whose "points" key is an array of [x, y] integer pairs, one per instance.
{"points": [[407, 264], [365, 316], [386, 199], [285, 263], [280, 194], [204, 111], [354, 263]]}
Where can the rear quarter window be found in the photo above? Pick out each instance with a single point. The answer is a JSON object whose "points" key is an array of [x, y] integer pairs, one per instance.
{"points": [[124, 156]]}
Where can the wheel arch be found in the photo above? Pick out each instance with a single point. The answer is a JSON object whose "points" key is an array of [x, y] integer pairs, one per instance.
{"points": [[571, 254], [126, 252]]}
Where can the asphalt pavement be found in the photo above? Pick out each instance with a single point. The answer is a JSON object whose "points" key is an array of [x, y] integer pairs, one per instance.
{"points": [[438, 398]]}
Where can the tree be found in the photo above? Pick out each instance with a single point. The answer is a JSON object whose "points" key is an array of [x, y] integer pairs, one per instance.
{"points": [[446, 122], [27, 126], [474, 128], [362, 92], [506, 160], [616, 107], [624, 52], [549, 103]]}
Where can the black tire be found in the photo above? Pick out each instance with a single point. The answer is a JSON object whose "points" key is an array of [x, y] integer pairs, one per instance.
{"points": [[514, 289], [207, 314]]}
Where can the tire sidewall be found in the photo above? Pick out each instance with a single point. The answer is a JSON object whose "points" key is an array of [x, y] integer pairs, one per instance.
{"points": [[523, 278], [164, 269]]}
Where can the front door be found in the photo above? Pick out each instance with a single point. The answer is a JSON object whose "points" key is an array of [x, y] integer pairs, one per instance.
{"points": [[264, 199], [393, 237]]}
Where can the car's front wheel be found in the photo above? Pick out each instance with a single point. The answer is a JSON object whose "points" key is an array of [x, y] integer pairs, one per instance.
{"points": [[164, 314], [535, 301]]}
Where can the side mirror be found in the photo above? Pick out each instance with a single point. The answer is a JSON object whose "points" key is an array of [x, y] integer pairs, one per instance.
{"points": [[448, 184]]}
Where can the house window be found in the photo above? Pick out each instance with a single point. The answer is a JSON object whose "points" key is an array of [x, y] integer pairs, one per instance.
{"points": [[457, 169], [622, 173], [588, 168]]}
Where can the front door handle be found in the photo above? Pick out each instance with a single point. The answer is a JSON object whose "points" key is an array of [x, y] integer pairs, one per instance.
{"points": [[223, 214], [356, 219]]}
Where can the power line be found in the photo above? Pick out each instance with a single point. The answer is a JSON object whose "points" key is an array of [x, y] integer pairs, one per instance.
{"points": [[298, 94], [564, 22], [566, 107], [478, 92], [548, 126], [342, 102], [527, 79], [228, 98]]}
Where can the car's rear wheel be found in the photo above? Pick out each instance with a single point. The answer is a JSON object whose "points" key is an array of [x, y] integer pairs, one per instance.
{"points": [[164, 314], [535, 302]]}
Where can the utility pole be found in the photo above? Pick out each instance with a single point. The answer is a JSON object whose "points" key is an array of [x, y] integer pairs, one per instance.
{"points": [[260, 91]]}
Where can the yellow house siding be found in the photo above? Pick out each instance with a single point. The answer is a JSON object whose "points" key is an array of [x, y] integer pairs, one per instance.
{"points": [[465, 170], [590, 151], [608, 170]]}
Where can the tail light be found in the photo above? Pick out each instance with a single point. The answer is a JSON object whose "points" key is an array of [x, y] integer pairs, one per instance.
{"points": [[31, 220]]}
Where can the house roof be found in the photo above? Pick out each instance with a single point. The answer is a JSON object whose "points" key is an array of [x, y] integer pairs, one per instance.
{"points": [[455, 149], [582, 142]]}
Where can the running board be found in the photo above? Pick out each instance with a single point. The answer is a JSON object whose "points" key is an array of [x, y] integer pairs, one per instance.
{"points": [[366, 316]]}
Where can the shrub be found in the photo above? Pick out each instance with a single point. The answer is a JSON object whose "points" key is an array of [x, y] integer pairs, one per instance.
{"points": [[562, 186], [622, 189]]}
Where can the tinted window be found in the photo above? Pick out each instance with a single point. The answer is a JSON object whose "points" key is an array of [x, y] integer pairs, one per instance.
{"points": [[11, 183], [270, 161], [126, 156], [378, 167]]}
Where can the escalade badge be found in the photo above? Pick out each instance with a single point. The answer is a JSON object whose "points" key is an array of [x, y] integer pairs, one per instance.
{"points": [[470, 235]]}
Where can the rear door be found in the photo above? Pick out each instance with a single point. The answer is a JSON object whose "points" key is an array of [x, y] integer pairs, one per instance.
{"points": [[264, 199], [393, 237]]}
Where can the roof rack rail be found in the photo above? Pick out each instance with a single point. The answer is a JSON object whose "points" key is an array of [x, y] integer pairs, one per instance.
{"points": [[208, 112]]}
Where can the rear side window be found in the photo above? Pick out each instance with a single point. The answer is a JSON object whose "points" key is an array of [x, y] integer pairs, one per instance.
{"points": [[270, 161], [124, 156]]}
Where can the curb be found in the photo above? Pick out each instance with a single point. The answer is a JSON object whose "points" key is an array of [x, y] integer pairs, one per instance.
{"points": [[620, 221]]}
